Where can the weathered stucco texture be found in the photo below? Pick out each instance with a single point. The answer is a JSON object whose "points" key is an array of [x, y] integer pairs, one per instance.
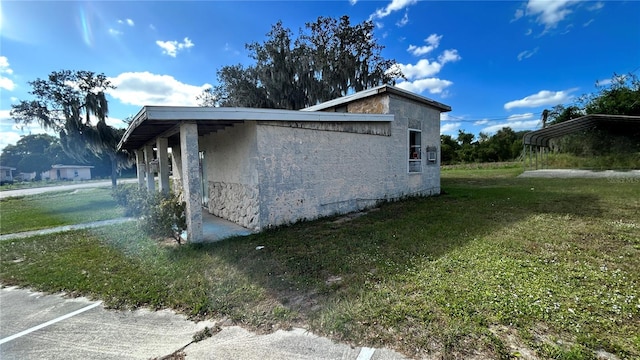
{"points": [[305, 174], [230, 173], [261, 174]]}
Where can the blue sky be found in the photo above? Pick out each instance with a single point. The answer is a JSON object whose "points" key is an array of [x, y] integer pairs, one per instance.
{"points": [[495, 63]]}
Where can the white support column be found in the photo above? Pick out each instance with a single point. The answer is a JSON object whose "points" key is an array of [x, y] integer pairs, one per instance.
{"points": [[163, 163], [148, 157], [140, 167], [191, 182]]}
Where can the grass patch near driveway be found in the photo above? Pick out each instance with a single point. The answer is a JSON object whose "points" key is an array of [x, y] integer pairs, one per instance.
{"points": [[498, 267], [34, 212]]}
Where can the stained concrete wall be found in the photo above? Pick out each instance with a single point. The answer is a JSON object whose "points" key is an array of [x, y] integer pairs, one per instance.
{"points": [[306, 173], [231, 176], [269, 173]]}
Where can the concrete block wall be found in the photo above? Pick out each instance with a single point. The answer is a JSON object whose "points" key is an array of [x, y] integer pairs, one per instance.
{"points": [[230, 174], [263, 174], [235, 202], [306, 174], [411, 114]]}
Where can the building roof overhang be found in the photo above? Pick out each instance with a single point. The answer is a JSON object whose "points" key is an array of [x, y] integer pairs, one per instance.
{"points": [[60, 166], [152, 122], [543, 136], [379, 90]]}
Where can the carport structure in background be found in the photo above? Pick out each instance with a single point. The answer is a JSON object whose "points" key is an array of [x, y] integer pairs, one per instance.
{"points": [[536, 143]]}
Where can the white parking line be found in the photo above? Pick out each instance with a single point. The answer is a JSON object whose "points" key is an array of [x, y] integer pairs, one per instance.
{"points": [[365, 353], [51, 322]]}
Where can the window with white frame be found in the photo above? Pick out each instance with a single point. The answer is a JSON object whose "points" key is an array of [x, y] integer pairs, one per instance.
{"points": [[415, 151]]}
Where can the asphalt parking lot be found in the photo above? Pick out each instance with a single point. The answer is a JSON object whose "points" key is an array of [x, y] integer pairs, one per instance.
{"points": [[38, 326]]}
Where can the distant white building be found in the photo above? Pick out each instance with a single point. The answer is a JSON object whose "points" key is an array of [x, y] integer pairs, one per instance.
{"points": [[6, 174], [68, 172]]}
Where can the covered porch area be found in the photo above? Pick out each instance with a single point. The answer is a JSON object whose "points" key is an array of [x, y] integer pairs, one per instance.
{"points": [[164, 140]]}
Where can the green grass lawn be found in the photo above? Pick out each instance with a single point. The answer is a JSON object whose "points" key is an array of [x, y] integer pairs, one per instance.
{"points": [[497, 267], [56, 209]]}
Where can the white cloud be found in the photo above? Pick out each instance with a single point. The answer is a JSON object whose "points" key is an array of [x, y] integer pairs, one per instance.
{"points": [[447, 117], [481, 122], [126, 21], [4, 66], [434, 85], [529, 32], [172, 48], [449, 56], [10, 132], [542, 98], [519, 117], [116, 123], [115, 32], [597, 6], [353, 2], [433, 40], [588, 23], [604, 82], [5, 82], [394, 5], [404, 21], [145, 88], [420, 76], [527, 54], [514, 125], [519, 13], [423, 68], [449, 127], [550, 13]]}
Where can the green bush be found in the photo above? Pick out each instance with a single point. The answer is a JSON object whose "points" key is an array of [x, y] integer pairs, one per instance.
{"points": [[160, 215]]}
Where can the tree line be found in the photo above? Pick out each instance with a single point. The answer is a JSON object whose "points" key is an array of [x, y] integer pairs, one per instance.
{"points": [[504, 145], [328, 59]]}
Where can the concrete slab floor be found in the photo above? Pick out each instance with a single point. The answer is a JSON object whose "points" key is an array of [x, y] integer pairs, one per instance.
{"points": [[216, 229]]}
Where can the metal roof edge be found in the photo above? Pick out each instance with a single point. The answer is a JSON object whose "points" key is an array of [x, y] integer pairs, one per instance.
{"points": [[60, 166], [137, 120], [541, 137], [375, 91], [185, 113]]}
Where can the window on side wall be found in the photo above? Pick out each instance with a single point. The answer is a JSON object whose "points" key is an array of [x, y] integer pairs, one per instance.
{"points": [[415, 151]]}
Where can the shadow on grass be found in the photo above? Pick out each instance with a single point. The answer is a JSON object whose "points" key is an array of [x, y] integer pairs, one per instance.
{"points": [[353, 280], [307, 264]]}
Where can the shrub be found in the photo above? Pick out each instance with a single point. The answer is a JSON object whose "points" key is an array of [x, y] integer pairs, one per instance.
{"points": [[160, 215]]}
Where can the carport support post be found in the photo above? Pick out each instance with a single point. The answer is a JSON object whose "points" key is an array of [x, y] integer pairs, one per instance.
{"points": [[140, 167], [163, 163], [148, 158], [191, 182]]}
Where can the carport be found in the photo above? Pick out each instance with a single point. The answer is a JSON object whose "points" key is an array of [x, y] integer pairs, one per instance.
{"points": [[536, 143]]}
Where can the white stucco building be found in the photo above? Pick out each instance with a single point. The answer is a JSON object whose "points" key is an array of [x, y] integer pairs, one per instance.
{"points": [[262, 167], [6, 174], [67, 172]]}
